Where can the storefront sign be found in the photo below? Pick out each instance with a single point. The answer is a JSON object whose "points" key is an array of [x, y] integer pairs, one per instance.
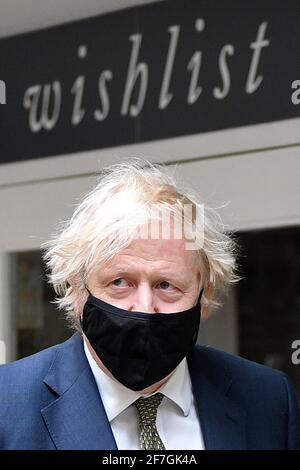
{"points": [[162, 70]]}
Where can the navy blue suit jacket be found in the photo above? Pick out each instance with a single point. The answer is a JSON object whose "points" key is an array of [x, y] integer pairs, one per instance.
{"points": [[50, 401]]}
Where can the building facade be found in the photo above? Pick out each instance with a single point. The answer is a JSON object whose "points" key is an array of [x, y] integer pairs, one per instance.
{"points": [[249, 171]]}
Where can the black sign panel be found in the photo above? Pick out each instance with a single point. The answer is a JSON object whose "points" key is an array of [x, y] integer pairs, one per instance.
{"points": [[162, 70]]}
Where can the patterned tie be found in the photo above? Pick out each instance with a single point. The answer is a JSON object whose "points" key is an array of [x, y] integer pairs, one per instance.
{"points": [[147, 410]]}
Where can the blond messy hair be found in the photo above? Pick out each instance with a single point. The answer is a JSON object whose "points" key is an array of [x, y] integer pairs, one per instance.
{"points": [[121, 200]]}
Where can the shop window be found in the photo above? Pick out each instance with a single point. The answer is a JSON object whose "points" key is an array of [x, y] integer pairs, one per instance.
{"points": [[38, 323], [268, 298]]}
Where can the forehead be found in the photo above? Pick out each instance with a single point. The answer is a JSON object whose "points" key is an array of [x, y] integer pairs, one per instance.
{"points": [[164, 253]]}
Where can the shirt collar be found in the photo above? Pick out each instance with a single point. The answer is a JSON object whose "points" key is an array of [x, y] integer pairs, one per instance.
{"points": [[116, 397], [178, 387]]}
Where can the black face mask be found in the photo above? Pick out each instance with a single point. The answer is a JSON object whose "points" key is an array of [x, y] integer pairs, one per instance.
{"points": [[138, 348]]}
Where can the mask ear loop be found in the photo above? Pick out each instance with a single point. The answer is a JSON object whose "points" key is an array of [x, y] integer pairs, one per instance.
{"points": [[195, 337], [200, 295], [88, 290], [81, 316]]}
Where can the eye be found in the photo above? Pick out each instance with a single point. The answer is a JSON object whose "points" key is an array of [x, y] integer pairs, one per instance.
{"points": [[165, 285], [118, 282]]}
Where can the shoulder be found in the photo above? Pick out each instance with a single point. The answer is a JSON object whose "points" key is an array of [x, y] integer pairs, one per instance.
{"points": [[22, 395], [23, 379], [265, 395], [26, 370], [245, 377], [217, 359]]}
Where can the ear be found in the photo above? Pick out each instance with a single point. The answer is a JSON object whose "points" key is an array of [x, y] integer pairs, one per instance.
{"points": [[208, 292], [78, 287], [76, 282]]}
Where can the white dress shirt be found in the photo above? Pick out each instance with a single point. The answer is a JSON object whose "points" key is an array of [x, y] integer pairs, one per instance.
{"points": [[177, 419]]}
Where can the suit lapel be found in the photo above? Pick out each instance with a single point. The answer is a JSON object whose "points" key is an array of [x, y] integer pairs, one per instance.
{"points": [[223, 423], [76, 418]]}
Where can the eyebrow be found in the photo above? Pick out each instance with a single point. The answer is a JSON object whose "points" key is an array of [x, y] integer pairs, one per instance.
{"points": [[126, 270], [117, 270]]}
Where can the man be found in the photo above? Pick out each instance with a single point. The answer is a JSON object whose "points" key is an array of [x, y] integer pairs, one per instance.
{"points": [[134, 268]]}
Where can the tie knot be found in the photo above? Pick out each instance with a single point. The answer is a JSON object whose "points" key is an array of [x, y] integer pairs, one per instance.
{"points": [[147, 408]]}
